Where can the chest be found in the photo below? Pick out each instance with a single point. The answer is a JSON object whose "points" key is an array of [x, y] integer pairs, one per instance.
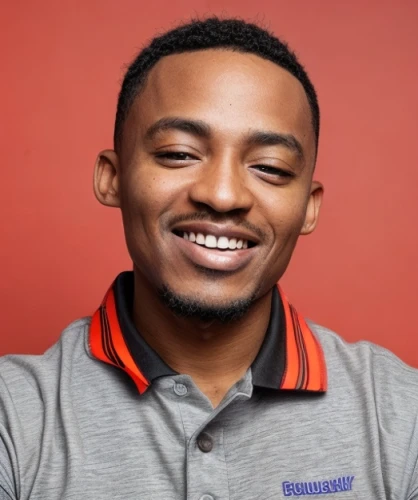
{"points": [[170, 446]]}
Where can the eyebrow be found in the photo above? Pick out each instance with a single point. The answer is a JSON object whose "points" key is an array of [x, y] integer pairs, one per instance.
{"points": [[201, 129], [194, 127], [261, 138]]}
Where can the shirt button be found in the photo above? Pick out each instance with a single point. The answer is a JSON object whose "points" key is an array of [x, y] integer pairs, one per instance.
{"points": [[206, 497], [180, 389], [205, 443]]}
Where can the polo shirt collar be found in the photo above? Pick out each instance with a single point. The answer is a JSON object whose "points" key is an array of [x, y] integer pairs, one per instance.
{"points": [[290, 357]]}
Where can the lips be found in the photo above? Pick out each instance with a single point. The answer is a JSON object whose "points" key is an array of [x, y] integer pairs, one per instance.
{"points": [[216, 247]]}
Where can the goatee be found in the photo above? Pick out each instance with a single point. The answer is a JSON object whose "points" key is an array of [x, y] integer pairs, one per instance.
{"points": [[187, 307]]}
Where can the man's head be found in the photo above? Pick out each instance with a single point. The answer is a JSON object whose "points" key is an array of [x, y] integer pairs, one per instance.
{"points": [[215, 145]]}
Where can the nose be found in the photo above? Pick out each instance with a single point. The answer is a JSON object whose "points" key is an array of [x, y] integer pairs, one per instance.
{"points": [[221, 185]]}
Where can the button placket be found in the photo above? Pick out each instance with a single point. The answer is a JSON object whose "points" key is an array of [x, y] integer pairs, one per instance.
{"points": [[207, 476]]}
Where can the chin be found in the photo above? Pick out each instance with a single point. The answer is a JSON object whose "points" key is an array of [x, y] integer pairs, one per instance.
{"points": [[194, 306]]}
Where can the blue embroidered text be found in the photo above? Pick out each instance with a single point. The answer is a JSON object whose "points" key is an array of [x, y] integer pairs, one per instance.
{"points": [[344, 483]]}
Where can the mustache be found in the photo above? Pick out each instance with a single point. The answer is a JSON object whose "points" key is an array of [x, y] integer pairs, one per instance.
{"points": [[218, 218]]}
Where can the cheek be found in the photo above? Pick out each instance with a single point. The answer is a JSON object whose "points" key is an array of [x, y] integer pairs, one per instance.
{"points": [[149, 189], [146, 197], [141, 197], [286, 218], [288, 225], [139, 206]]}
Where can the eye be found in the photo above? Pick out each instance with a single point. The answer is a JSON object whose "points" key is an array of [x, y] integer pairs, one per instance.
{"points": [[176, 156], [267, 169], [273, 174], [175, 159]]}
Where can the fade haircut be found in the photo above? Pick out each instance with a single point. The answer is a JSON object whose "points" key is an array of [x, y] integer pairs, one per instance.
{"points": [[211, 33]]}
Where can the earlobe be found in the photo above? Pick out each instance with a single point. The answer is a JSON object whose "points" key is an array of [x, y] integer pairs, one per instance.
{"points": [[106, 178], [313, 208]]}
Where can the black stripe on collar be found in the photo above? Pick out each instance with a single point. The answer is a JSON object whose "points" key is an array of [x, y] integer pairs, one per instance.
{"points": [[146, 359]]}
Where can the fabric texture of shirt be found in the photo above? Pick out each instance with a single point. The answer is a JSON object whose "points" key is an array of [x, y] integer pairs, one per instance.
{"points": [[101, 416]]}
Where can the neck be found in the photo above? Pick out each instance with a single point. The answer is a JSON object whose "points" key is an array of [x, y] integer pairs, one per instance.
{"points": [[214, 354]]}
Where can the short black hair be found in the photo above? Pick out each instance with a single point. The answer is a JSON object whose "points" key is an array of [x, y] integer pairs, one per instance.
{"points": [[210, 33]]}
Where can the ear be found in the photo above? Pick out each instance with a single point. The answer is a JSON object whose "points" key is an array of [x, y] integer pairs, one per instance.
{"points": [[313, 207], [106, 178]]}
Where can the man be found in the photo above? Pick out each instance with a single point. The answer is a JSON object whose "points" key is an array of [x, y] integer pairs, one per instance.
{"points": [[196, 378]]}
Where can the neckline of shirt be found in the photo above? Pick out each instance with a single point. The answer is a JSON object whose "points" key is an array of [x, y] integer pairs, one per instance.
{"points": [[290, 357]]}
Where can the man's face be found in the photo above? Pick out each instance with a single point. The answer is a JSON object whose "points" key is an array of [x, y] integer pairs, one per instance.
{"points": [[214, 176]]}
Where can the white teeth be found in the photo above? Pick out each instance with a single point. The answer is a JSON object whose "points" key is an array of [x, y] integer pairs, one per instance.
{"points": [[210, 241], [200, 239], [223, 242]]}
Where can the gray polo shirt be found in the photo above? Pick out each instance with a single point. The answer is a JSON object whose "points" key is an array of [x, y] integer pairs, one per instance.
{"points": [[100, 416]]}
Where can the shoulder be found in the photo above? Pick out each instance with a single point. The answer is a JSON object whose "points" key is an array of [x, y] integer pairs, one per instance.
{"points": [[72, 338], [32, 388], [373, 395], [26, 381], [361, 354], [368, 369]]}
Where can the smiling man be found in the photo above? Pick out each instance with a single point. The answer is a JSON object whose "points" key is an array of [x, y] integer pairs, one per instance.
{"points": [[196, 378]]}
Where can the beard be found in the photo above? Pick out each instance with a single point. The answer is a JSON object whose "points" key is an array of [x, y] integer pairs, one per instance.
{"points": [[193, 308]]}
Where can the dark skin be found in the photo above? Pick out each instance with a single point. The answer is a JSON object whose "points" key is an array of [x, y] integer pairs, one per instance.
{"points": [[225, 138]]}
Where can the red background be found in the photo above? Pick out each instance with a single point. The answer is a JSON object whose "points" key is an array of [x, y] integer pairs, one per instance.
{"points": [[61, 67]]}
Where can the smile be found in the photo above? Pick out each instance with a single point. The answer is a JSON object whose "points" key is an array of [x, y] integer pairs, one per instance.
{"points": [[221, 242], [222, 253]]}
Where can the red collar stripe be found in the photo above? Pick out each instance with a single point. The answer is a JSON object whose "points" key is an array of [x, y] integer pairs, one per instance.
{"points": [[107, 342], [305, 364]]}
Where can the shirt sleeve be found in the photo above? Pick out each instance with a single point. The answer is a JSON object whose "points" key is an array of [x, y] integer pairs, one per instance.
{"points": [[414, 494], [412, 464], [7, 483], [8, 456], [4, 495], [413, 485]]}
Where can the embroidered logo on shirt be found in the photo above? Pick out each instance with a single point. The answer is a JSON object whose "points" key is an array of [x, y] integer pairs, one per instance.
{"points": [[344, 483]]}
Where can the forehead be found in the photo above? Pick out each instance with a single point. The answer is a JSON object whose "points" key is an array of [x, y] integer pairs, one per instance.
{"points": [[233, 92]]}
